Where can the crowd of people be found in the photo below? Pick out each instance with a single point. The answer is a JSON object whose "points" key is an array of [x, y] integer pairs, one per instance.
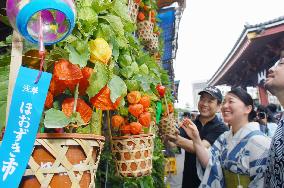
{"points": [[246, 150]]}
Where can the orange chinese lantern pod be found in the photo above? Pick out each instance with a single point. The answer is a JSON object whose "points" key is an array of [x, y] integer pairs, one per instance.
{"points": [[64, 70], [171, 107], [145, 101], [117, 121], [84, 110], [56, 86], [136, 109], [145, 119], [66, 75], [138, 1], [49, 100], [102, 100], [141, 16], [84, 82], [135, 128], [133, 97], [125, 129]]}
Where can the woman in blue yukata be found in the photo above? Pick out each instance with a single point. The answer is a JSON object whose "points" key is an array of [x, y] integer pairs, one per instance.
{"points": [[237, 159]]}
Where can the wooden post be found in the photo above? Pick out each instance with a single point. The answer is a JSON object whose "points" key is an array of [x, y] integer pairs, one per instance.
{"points": [[16, 61]]}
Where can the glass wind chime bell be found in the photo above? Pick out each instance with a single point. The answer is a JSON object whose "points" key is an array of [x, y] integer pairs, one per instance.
{"points": [[46, 21]]}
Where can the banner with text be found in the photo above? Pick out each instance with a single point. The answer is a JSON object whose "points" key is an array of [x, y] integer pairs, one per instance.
{"points": [[24, 117]]}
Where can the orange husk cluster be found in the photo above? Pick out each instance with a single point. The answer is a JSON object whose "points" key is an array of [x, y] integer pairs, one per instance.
{"points": [[67, 75], [138, 107], [82, 108], [102, 100]]}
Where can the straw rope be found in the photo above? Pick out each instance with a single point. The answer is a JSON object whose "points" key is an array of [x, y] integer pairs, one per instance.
{"points": [[58, 149]]}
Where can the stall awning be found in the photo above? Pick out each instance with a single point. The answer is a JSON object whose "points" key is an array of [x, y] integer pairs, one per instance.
{"points": [[167, 23]]}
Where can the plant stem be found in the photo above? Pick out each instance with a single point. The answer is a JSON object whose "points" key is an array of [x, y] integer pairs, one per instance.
{"points": [[76, 98]]}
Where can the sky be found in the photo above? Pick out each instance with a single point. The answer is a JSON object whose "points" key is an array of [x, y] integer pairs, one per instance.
{"points": [[208, 31]]}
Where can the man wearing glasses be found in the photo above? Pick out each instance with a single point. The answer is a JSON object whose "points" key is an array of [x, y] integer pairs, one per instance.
{"points": [[275, 164]]}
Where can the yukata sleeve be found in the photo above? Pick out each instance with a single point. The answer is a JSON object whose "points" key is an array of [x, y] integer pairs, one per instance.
{"points": [[259, 149], [212, 176]]}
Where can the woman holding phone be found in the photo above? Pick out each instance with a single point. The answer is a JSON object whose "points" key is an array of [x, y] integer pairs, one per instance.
{"points": [[238, 157]]}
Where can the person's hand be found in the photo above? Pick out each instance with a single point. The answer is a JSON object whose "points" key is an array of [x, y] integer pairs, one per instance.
{"points": [[172, 137], [191, 130]]}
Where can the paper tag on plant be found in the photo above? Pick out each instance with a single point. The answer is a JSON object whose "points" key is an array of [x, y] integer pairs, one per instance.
{"points": [[24, 117]]}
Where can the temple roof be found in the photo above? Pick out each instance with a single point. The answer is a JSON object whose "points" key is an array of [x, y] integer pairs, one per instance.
{"points": [[257, 49]]}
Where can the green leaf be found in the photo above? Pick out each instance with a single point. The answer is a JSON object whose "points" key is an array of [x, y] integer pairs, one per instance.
{"points": [[107, 32], [132, 85], [55, 119], [98, 80], [135, 67], [84, 129], [115, 23], [122, 42], [115, 49], [5, 20], [123, 111], [53, 55], [101, 5], [85, 3], [121, 10], [117, 88], [76, 119], [87, 20], [127, 72], [71, 38], [78, 58], [124, 60], [144, 69], [144, 82], [3, 44], [96, 123]]}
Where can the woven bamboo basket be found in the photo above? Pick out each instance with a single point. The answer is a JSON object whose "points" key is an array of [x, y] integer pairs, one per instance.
{"points": [[133, 8], [153, 45], [145, 30], [63, 160], [167, 125], [133, 154]]}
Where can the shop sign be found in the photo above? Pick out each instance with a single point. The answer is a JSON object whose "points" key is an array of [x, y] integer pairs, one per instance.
{"points": [[261, 76]]}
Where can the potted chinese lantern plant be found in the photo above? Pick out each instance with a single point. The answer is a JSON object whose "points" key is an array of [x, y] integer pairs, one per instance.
{"points": [[74, 104], [62, 155], [167, 122], [132, 145]]}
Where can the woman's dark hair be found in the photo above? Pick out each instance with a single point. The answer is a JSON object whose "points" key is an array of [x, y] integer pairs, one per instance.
{"points": [[272, 107], [246, 99]]}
